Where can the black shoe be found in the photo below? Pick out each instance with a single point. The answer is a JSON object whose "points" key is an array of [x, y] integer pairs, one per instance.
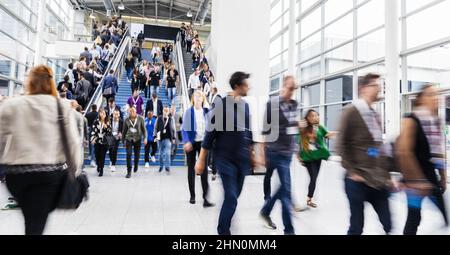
{"points": [[135, 170], [160, 169], [128, 176], [192, 201], [289, 233], [268, 221], [207, 204], [100, 174], [168, 170]]}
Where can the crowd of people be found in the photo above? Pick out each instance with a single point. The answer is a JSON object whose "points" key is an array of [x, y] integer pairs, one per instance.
{"points": [[212, 144]]}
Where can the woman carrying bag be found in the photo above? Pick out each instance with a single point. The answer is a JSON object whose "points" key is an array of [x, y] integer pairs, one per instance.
{"points": [[37, 176], [313, 150], [100, 131]]}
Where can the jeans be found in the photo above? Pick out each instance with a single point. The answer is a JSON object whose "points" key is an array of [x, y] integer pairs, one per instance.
{"points": [[313, 168], [153, 90], [282, 164], [164, 153], [154, 147], [357, 194], [113, 152], [233, 181], [130, 73], [37, 195], [172, 94], [191, 160], [100, 155], [136, 148], [415, 207]]}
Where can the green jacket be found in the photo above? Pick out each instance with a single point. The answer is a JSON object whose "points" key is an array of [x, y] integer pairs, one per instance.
{"points": [[321, 150], [141, 131]]}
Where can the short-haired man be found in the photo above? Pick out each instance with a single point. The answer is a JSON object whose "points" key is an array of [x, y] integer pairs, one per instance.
{"points": [[232, 147], [360, 145]]}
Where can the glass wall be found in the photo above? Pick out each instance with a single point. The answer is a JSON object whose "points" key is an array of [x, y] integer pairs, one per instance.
{"points": [[339, 40], [18, 37]]}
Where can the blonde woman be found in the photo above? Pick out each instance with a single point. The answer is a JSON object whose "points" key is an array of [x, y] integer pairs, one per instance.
{"points": [[193, 130]]}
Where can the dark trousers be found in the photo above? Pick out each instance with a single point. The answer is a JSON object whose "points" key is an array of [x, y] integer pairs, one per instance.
{"points": [[113, 152], [267, 183], [183, 41], [415, 207], [136, 148], [154, 148], [37, 195], [188, 46], [313, 168], [357, 194], [282, 164], [212, 162], [191, 160], [175, 145], [233, 181], [100, 156]]}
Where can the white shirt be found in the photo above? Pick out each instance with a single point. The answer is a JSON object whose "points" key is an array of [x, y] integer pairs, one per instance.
{"points": [[200, 124], [194, 81], [155, 106]]}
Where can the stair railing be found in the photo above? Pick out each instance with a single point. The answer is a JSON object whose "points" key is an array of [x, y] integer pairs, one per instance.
{"points": [[178, 54], [116, 64]]}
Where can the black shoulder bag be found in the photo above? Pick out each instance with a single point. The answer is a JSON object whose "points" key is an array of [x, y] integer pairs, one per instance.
{"points": [[75, 188]]}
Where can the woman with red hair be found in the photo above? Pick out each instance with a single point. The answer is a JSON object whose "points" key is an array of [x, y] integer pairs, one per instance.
{"points": [[31, 148]]}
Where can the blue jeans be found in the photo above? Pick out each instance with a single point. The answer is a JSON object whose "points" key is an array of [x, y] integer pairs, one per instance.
{"points": [[130, 73], [233, 180], [357, 194], [153, 89], [164, 153], [282, 164], [172, 94]]}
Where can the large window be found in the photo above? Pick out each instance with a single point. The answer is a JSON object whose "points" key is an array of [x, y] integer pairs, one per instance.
{"points": [[341, 40]]}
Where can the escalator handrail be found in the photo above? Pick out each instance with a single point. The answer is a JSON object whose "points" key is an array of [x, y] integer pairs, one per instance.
{"points": [[184, 90], [112, 63]]}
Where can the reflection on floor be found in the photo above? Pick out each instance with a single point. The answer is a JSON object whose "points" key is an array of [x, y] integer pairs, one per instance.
{"points": [[157, 204]]}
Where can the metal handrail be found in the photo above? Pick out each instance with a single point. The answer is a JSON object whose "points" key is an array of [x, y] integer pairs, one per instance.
{"points": [[184, 90], [113, 64]]}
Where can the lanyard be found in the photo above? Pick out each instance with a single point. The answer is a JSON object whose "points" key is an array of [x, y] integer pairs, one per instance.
{"points": [[135, 100], [133, 124]]}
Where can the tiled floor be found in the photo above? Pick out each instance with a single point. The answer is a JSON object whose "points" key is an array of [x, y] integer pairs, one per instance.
{"points": [[157, 204]]}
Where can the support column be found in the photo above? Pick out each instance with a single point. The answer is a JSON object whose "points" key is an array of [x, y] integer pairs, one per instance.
{"points": [[392, 90], [292, 31], [40, 32]]}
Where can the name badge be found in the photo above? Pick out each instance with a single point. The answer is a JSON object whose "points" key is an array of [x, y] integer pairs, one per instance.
{"points": [[373, 152], [115, 133], [133, 130], [292, 131], [164, 132]]}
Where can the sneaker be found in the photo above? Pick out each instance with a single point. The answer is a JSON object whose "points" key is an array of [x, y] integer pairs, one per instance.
{"points": [[113, 169], [207, 204], [153, 159], [268, 221], [147, 165], [11, 206], [93, 165]]}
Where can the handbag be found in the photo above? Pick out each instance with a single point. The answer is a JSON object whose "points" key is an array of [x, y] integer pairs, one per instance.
{"points": [[108, 91], [110, 140], [74, 188]]}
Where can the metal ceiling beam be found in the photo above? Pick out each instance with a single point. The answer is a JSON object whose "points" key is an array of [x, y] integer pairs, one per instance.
{"points": [[171, 8], [156, 10], [143, 8]]}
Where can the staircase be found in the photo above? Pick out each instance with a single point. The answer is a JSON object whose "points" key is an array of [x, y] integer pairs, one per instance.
{"points": [[187, 59], [121, 100]]}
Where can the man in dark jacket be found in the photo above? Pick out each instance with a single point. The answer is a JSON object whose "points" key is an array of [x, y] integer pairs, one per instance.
{"points": [[91, 117], [86, 55], [110, 86], [152, 103], [91, 79], [82, 91]]}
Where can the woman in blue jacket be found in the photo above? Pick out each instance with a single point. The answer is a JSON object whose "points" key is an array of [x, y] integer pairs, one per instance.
{"points": [[193, 130]]}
